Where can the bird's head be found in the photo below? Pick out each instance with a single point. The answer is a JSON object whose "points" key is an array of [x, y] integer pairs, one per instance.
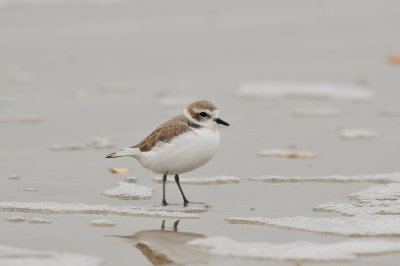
{"points": [[204, 113]]}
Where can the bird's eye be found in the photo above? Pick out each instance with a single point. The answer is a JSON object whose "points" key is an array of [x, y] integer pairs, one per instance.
{"points": [[203, 114]]}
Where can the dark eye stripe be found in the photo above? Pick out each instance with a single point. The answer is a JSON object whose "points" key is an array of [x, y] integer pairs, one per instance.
{"points": [[203, 114]]}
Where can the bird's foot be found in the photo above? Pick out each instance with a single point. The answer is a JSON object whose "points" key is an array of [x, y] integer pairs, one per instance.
{"points": [[164, 203], [186, 202]]}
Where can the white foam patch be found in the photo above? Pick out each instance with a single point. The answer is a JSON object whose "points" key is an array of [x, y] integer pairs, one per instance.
{"points": [[81, 208], [356, 133], [126, 190], [12, 256], [386, 225], [286, 154], [378, 199], [315, 91], [317, 112], [361, 209], [374, 178], [298, 251], [102, 223], [390, 192], [216, 180]]}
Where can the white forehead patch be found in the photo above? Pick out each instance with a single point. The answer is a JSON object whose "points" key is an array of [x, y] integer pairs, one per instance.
{"points": [[216, 113]]}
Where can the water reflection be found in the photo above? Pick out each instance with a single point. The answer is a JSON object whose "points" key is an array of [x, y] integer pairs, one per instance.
{"points": [[167, 245]]}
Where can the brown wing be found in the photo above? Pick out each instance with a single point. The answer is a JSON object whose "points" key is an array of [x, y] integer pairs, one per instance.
{"points": [[164, 133]]}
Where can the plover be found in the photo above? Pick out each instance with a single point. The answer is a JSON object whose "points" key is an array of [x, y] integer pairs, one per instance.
{"points": [[180, 145]]}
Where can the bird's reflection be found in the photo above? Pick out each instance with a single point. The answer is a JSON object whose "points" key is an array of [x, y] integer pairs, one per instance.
{"points": [[165, 246]]}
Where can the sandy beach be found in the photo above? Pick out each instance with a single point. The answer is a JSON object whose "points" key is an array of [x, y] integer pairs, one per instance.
{"points": [[307, 173]]}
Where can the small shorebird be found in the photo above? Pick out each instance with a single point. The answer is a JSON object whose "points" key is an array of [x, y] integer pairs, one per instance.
{"points": [[180, 145]]}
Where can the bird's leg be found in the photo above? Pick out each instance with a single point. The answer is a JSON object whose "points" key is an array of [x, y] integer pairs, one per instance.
{"points": [[164, 202], [163, 225], [176, 225], [185, 201]]}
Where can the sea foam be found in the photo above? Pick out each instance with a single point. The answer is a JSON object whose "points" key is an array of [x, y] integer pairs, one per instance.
{"points": [[81, 208], [348, 226], [372, 178], [298, 251], [126, 190], [12, 256]]}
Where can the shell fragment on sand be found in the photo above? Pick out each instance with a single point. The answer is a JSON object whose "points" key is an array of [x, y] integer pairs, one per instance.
{"points": [[297, 251], [129, 191], [81, 208], [371, 225], [315, 91], [374, 178], [12, 256], [394, 59], [287, 154], [116, 170], [216, 180]]}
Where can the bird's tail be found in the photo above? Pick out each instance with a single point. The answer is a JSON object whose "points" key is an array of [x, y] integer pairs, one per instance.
{"points": [[131, 152]]}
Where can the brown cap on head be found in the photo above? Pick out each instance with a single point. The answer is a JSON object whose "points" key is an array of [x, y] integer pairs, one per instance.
{"points": [[201, 105]]}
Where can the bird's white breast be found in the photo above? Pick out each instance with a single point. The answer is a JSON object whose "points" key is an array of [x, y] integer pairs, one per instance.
{"points": [[184, 153]]}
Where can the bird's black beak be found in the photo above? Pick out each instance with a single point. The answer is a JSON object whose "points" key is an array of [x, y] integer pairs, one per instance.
{"points": [[222, 122]]}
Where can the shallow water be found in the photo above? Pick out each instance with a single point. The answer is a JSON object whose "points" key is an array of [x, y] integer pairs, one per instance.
{"points": [[105, 70]]}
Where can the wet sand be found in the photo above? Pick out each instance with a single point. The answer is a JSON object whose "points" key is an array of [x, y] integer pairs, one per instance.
{"points": [[57, 59]]}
